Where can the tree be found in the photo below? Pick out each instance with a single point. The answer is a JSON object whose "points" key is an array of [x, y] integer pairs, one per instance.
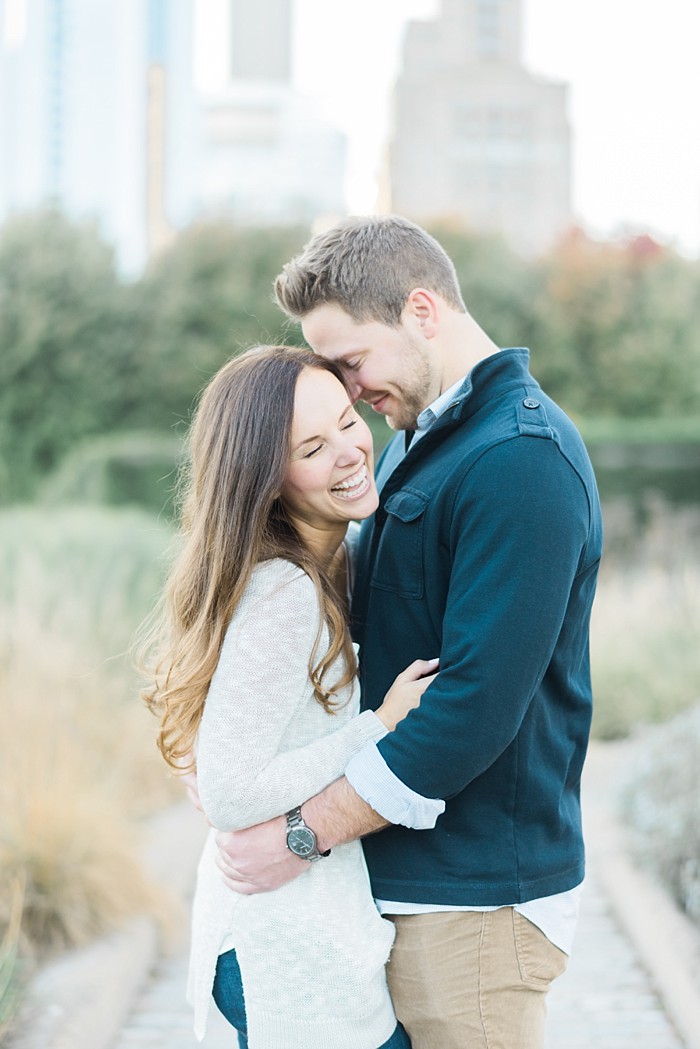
{"points": [[206, 299], [612, 327], [618, 328], [498, 286], [83, 354], [65, 350]]}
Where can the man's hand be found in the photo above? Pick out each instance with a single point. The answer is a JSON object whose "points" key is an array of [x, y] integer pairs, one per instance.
{"points": [[257, 859]]}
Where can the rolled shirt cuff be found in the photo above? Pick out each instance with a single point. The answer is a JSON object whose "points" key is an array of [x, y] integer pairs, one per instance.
{"points": [[370, 777]]}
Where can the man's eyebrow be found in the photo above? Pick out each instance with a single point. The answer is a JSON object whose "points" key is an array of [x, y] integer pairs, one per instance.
{"points": [[317, 437]]}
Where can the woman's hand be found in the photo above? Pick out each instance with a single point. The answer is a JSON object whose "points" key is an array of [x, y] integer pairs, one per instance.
{"points": [[406, 692], [189, 780]]}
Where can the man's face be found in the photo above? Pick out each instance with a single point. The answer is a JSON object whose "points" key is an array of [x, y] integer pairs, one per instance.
{"points": [[392, 369]]}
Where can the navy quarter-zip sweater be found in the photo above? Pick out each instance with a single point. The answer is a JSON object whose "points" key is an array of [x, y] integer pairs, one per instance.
{"points": [[484, 549]]}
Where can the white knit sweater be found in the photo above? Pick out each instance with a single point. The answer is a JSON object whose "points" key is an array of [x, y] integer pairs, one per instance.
{"points": [[312, 953]]}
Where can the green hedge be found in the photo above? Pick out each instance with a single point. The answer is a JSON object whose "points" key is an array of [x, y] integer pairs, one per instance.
{"points": [[671, 430], [136, 468]]}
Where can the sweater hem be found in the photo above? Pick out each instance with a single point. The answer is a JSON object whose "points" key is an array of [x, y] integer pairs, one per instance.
{"points": [[332, 1032]]}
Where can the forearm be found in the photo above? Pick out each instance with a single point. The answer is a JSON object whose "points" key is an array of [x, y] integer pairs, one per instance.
{"points": [[338, 815], [254, 787], [258, 860]]}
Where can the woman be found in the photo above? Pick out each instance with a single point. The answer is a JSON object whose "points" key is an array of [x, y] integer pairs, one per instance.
{"points": [[258, 677]]}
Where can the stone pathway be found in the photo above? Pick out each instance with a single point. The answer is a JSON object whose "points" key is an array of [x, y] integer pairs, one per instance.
{"points": [[604, 1001]]}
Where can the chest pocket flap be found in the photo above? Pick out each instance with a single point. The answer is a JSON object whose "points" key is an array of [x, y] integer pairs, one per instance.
{"points": [[399, 563], [407, 505]]}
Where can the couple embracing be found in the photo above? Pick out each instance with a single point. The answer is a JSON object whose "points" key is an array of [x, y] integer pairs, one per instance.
{"points": [[423, 686]]}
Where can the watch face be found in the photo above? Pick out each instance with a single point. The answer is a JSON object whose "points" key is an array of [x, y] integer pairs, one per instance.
{"points": [[302, 841]]}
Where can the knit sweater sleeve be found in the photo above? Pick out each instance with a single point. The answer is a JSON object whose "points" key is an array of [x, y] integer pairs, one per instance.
{"points": [[260, 686]]}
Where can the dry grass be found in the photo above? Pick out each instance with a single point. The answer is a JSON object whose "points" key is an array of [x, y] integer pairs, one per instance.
{"points": [[79, 762], [646, 620], [76, 852]]}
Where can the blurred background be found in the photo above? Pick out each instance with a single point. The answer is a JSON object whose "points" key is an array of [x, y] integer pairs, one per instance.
{"points": [[159, 163]]}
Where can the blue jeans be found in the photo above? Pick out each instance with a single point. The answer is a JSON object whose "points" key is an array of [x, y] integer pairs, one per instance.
{"points": [[228, 995]]}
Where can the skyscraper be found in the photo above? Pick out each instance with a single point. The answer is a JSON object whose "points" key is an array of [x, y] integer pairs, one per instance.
{"points": [[97, 115], [261, 47], [269, 158], [476, 137]]}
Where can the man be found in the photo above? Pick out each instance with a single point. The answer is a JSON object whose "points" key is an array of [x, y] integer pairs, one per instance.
{"points": [[484, 549]]}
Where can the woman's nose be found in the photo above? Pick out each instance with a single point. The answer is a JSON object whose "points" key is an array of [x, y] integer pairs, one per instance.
{"points": [[349, 454]]}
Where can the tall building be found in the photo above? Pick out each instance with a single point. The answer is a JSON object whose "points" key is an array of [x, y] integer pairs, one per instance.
{"points": [[269, 157], [476, 137], [261, 40], [98, 116]]}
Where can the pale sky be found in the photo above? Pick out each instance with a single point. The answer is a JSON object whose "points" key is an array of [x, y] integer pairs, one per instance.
{"points": [[634, 95]]}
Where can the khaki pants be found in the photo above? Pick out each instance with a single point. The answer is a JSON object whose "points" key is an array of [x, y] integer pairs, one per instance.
{"points": [[472, 979]]}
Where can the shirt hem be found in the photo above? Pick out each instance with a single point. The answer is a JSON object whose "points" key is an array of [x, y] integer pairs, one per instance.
{"points": [[477, 894]]}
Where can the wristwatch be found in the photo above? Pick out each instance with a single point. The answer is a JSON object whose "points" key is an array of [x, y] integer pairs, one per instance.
{"points": [[301, 840]]}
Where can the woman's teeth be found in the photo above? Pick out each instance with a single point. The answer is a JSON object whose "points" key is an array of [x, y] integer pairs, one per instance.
{"points": [[352, 485]]}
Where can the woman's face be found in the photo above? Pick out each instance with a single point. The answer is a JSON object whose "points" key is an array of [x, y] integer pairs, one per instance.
{"points": [[329, 478]]}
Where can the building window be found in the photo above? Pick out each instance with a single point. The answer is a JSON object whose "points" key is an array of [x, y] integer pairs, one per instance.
{"points": [[488, 28]]}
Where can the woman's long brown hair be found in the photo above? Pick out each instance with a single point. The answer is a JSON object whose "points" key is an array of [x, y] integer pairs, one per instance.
{"points": [[232, 519]]}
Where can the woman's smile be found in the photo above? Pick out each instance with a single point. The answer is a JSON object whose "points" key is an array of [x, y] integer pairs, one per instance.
{"points": [[354, 486]]}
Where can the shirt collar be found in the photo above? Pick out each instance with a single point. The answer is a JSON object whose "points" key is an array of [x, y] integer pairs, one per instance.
{"points": [[438, 407]]}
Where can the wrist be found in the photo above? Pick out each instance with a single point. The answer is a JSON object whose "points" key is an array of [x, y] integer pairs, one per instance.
{"points": [[383, 716], [302, 840], [382, 727], [312, 812]]}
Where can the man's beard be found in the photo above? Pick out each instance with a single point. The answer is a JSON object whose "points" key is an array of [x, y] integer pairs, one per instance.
{"points": [[414, 389]]}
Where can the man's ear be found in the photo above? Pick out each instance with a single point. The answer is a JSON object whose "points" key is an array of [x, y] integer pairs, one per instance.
{"points": [[423, 307]]}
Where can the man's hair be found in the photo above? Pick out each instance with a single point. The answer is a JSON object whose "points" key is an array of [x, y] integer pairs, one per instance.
{"points": [[368, 266]]}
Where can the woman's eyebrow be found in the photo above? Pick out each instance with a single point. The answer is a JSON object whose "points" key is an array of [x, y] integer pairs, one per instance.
{"points": [[307, 440]]}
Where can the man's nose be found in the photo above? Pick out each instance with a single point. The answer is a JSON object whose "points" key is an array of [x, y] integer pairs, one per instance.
{"points": [[355, 389]]}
